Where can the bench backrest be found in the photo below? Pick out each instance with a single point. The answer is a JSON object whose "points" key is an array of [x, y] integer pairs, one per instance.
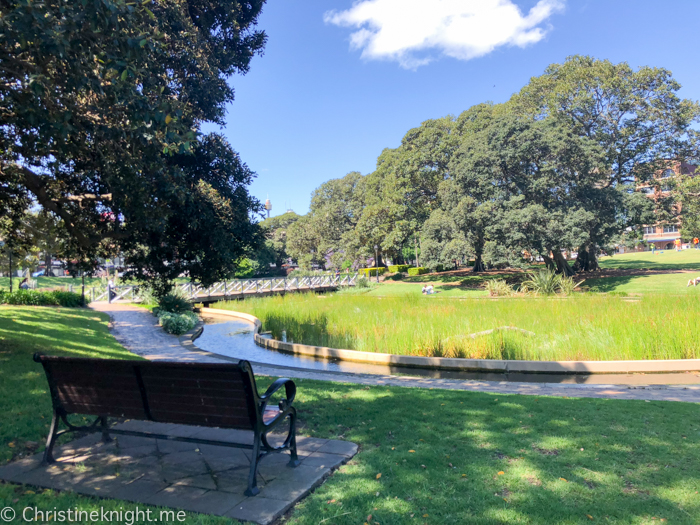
{"points": [[210, 395]]}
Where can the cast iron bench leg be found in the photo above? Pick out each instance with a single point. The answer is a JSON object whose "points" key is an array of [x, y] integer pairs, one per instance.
{"points": [[253, 489], [51, 440], [293, 459], [105, 430]]}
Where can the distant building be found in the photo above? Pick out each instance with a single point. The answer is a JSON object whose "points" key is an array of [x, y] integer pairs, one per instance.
{"points": [[664, 235]]}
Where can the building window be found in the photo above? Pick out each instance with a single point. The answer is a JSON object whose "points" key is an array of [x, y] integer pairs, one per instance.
{"points": [[668, 173], [648, 230], [647, 189], [670, 228]]}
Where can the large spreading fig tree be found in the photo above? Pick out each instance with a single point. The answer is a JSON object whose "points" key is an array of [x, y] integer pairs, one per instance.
{"points": [[101, 103], [636, 118]]}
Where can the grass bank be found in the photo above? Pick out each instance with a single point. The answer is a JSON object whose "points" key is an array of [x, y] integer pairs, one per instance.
{"points": [[426, 456], [583, 327], [660, 260], [25, 404]]}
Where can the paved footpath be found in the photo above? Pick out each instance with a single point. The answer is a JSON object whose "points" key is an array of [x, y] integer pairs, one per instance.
{"points": [[137, 330]]}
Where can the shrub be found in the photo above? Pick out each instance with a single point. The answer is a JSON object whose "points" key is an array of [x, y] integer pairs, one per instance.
{"points": [[35, 298], [499, 288], [542, 282], [177, 324], [396, 277], [547, 282], [396, 268], [362, 282], [567, 285], [173, 303], [371, 272], [417, 271]]}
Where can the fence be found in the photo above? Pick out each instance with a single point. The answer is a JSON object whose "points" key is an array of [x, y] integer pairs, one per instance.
{"points": [[236, 287]]}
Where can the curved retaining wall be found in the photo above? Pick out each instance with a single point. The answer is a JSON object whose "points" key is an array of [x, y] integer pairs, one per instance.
{"points": [[458, 364]]}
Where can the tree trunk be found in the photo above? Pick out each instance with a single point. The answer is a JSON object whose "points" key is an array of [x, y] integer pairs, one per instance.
{"points": [[549, 263], [478, 262], [415, 249], [586, 260], [562, 265]]}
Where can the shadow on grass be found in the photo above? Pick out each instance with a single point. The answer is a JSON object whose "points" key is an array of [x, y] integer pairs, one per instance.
{"points": [[25, 403], [456, 457]]}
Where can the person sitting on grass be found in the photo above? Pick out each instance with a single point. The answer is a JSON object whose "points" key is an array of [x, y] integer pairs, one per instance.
{"points": [[24, 285]]}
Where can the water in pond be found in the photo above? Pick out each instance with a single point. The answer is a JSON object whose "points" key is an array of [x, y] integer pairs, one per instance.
{"points": [[234, 338]]}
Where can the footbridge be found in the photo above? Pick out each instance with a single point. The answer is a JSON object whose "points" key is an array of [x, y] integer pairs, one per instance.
{"points": [[236, 288]]}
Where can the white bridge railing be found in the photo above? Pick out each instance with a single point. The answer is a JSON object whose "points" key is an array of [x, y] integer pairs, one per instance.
{"points": [[236, 287]]}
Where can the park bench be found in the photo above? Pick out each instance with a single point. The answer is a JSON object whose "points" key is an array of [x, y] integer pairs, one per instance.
{"points": [[207, 395]]}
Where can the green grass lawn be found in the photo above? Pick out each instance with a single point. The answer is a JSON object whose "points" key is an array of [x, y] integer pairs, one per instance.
{"points": [[400, 288], [53, 282], [582, 327], [660, 283], [469, 286], [668, 260], [445, 457], [58, 331]]}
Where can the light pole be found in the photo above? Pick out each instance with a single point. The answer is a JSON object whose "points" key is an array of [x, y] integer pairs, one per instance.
{"points": [[376, 257]]}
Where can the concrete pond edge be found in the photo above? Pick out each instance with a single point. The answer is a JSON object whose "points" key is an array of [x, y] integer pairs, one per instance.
{"points": [[449, 363]]}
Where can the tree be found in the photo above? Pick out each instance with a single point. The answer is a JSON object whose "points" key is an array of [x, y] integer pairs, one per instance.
{"points": [[100, 109], [303, 242], [274, 250], [635, 117], [687, 194], [325, 235]]}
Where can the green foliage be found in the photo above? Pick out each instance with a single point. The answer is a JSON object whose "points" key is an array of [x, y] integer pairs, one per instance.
{"points": [[274, 250], [102, 114], [372, 272], [547, 282], [36, 298], [499, 288], [418, 271], [396, 277], [173, 303], [395, 268], [177, 324], [362, 282]]}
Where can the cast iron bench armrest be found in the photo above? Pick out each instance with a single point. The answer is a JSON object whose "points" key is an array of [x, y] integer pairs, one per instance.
{"points": [[290, 389]]}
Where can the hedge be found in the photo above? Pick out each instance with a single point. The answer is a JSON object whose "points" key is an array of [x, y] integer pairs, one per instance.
{"points": [[418, 271], [177, 324], [371, 272], [34, 298], [395, 268]]}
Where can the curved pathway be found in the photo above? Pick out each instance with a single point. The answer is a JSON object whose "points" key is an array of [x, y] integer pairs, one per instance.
{"points": [[137, 330]]}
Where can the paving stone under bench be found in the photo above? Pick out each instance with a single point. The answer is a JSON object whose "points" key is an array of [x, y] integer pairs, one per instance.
{"points": [[188, 476]]}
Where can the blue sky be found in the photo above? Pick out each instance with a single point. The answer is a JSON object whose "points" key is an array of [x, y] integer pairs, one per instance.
{"points": [[341, 80]]}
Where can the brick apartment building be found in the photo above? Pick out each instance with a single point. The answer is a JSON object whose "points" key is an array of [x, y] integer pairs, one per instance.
{"points": [[663, 236]]}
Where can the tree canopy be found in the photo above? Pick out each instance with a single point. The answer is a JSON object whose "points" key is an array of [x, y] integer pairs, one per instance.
{"points": [[101, 105], [556, 168]]}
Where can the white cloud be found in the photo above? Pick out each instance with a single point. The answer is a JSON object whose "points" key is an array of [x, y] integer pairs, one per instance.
{"points": [[413, 32]]}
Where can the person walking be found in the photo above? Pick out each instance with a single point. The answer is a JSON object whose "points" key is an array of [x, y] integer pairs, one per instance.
{"points": [[696, 242], [677, 242]]}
